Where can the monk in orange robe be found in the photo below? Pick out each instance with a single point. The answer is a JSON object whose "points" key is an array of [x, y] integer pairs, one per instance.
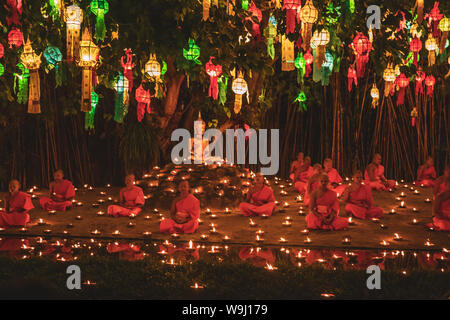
{"points": [[324, 209], [131, 198], [313, 182], [18, 204], [426, 174], [374, 175], [359, 200], [260, 199], [295, 165], [302, 175], [61, 194], [184, 213], [439, 183], [335, 179], [441, 209]]}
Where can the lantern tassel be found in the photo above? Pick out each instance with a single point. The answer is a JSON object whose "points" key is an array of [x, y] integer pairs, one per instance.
{"points": [[213, 90], [223, 85], [100, 28], [237, 103], [34, 95], [290, 20]]}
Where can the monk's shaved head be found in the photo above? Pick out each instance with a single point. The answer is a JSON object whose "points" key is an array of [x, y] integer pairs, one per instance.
{"points": [[59, 171], [14, 181]]}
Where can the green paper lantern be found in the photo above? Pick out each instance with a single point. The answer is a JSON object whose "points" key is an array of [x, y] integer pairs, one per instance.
{"points": [[2, 69], [99, 8], [21, 84], [301, 98], [193, 52], [245, 5], [90, 115]]}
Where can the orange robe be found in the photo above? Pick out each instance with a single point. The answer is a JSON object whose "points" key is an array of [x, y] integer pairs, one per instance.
{"points": [[257, 256], [263, 203], [131, 199], [427, 177], [295, 166], [334, 177], [325, 204], [377, 183], [360, 197], [443, 224], [189, 205], [19, 205], [313, 187], [302, 179], [66, 190]]}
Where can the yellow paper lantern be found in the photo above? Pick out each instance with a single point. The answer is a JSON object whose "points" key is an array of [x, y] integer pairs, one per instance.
{"points": [[239, 87], [74, 18], [431, 46], [375, 94], [152, 67], [389, 78], [88, 59], [444, 26], [287, 54], [308, 16], [320, 40], [32, 62]]}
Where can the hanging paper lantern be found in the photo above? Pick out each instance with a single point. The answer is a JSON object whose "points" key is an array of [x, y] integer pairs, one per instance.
{"points": [[90, 115], [15, 38], [270, 32], [206, 5], [361, 47], [88, 59], [351, 78], [244, 5], [193, 52], [301, 98], [143, 98], [414, 115], [287, 54], [431, 46], [420, 77], [2, 69], [308, 16], [375, 94], [415, 46], [435, 16], [214, 72], [419, 6], [57, 8], [291, 7], [389, 78], [2, 51], [53, 57], [309, 58], [402, 82], [21, 84], [320, 40], [444, 26], [326, 69], [256, 13], [99, 8], [429, 82], [32, 62], [300, 65], [121, 103], [128, 65], [239, 87], [152, 67], [16, 10], [74, 17], [223, 86]]}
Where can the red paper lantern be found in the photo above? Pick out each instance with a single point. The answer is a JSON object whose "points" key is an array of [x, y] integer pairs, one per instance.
{"points": [[402, 82], [2, 51], [15, 38], [128, 65], [429, 82], [143, 98], [351, 78], [308, 60], [435, 16], [362, 46], [255, 26], [214, 72], [415, 46], [16, 10], [291, 7], [420, 77]]}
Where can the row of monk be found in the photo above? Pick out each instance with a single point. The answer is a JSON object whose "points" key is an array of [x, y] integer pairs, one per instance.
{"points": [[321, 194]]}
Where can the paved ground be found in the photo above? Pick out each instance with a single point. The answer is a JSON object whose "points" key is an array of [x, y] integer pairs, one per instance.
{"points": [[364, 234]]}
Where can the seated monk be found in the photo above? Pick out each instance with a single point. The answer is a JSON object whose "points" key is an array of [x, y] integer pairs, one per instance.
{"points": [[18, 204], [260, 199], [313, 182], [131, 198], [374, 175], [61, 194], [296, 165], [335, 178], [302, 175], [441, 209], [324, 209], [184, 213], [439, 183], [426, 174], [359, 201]]}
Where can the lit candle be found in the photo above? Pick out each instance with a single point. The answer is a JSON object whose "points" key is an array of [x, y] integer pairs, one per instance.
{"points": [[213, 230], [204, 237], [79, 204], [288, 218], [270, 267], [89, 283], [376, 220], [196, 286], [175, 235], [428, 243], [101, 213], [415, 210], [286, 204], [162, 252], [252, 223], [131, 224], [213, 216], [259, 239], [265, 216], [52, 212], [147, 234], [427, 200], [95, 232], [227, 211], [301, 212], [287, 223], [147, 217], [226, 238], [41, 222], [260, 232], [416, 191], [383, 226], [132, 216], [346, 240], [116, 233], [23, 229], [208, 211], [402, 195], [304, 231], [350, 221], [384, 243], [397, 237], [392, 211], [282, 240], [402, 204], [327, 295], [307, 240], [47, 231]]}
